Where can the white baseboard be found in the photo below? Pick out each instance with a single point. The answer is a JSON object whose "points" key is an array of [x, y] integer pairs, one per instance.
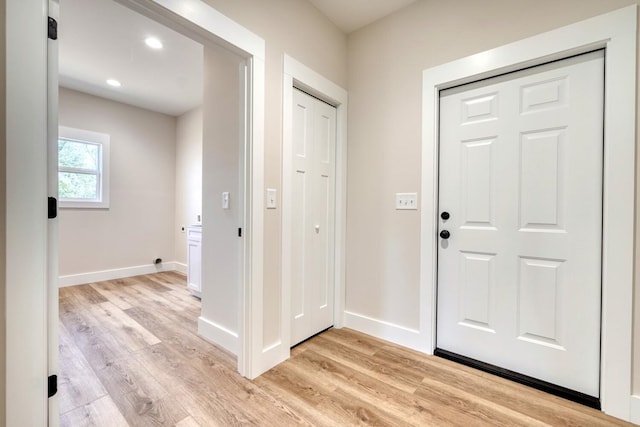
{"points": [[118, 273], [180, 267], [396, 334], [218, 335], [270, 357], [635, 409]]}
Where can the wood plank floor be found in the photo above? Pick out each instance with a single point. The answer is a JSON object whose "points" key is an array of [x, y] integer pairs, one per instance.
{"points": [[130, 356]]}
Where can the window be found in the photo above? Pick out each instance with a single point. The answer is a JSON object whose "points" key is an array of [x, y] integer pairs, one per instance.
{"points": [[83, 168]]}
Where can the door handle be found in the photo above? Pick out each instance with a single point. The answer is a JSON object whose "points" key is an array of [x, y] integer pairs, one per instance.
{"points": [[445, 215], [445, 234]]}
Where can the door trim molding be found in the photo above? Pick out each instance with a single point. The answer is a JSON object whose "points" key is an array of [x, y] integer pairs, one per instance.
{"points": [[298, 75], [616, 32], [202, 22]]}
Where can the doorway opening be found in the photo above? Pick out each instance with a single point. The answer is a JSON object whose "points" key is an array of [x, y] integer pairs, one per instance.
{"points": [[297, 76], [313, 210], [234, 152], [520, 195], [614, 32]]}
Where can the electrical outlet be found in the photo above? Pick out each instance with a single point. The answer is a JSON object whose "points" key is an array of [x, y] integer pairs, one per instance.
{"points": [[406, 201]]}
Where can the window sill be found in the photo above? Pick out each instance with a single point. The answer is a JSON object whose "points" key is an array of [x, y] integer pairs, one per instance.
{"points": [[83, 205]]}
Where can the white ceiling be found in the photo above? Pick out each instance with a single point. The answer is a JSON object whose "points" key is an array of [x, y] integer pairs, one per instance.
{"points": [[101, 39], [350, 15]]}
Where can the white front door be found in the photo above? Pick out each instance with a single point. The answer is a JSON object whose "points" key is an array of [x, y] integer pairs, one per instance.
{"points": [[519, 277], [314, 142]]}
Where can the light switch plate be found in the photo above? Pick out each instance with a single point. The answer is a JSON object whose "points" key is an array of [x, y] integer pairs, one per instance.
{"points": [[406, 201], [225, 200], [271, 198]]}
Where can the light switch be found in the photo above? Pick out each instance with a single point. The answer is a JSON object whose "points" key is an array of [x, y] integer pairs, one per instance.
{"points": [[271, 198], [406, 201], [225, 200]]}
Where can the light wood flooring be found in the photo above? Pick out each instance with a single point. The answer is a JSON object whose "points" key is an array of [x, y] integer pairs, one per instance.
{"points": [[130, 356]]}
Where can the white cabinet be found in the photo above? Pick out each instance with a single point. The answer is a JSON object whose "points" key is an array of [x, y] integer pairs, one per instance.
{"points": [[194, 259]]}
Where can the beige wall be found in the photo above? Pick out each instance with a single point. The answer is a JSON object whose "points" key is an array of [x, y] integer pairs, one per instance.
{"points": [[188, 177], [294, 27], [138, 226], [220, 160], [386, 60], [298, 29], [3, 218]]}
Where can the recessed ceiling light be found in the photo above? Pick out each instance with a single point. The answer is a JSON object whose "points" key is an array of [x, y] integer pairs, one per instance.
{"points": [[153, 43], [114, 83]]}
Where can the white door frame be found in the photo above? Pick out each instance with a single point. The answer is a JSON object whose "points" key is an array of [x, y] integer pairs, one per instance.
{"points": [[201, 20], [616, 32], [26, 191], [298, 75]]}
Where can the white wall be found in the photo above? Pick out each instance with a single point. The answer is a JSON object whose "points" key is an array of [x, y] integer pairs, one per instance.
{"points": [[386, 60], [138, 226], [188, 178], [220, 319]]}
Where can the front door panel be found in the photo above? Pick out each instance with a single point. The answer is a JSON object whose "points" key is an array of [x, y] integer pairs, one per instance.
{"points": [[519, 278]]}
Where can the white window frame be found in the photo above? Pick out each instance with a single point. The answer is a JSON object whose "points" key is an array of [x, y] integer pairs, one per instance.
{"points": [[90, 137]]}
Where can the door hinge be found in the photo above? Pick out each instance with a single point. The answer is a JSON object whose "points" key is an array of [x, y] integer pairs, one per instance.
{"points": [[53, 29], [53, 385], [52, 207], [239, 232]]}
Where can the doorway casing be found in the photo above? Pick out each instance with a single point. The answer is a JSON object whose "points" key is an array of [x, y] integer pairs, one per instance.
{"points": [[302, 77], [201, 21], [616, 33]]}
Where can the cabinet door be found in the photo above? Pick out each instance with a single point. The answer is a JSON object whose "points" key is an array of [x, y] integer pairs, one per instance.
{"points": [[194, 258]]}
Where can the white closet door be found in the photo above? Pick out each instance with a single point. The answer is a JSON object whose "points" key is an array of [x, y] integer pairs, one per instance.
{"points": [[314, 141], [519, 278]]}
